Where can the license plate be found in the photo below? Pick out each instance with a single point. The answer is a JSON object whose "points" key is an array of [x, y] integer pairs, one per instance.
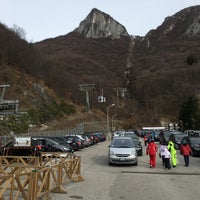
{"points": [[122, 159]]}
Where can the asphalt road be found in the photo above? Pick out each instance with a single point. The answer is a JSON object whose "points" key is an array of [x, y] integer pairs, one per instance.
{"points": [[104, 182]]}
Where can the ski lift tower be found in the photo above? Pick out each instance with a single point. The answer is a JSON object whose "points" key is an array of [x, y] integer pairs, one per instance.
{"points": [[3, 91], [120, 91], [8, 107], [86, 88]]}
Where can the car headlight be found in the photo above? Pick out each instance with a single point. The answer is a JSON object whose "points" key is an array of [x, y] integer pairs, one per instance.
{"points": [[196, 147], [65, 149], [133, 152], [112, 153]]}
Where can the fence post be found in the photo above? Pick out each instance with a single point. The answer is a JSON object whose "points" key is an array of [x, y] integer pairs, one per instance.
{"points": [[33, 185], [77, 169], [12, 187], [59, 188]]}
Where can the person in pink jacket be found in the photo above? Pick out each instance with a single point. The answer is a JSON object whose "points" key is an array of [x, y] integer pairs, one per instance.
{"points": [[167, 157], [161, 153], [185, 150], [151, 151]]}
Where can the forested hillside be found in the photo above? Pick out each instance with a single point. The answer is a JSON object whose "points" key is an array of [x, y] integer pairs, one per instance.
{"points": [[157, 72]]}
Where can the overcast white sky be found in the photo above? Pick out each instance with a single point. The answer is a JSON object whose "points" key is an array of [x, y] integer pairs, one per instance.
{"points": [[42, 19]]}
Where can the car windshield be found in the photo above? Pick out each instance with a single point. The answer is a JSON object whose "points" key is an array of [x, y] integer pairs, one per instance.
{"points": [[50, 141], [59, 140], [195, 140], [179, 137], [167, 134], [119, 133], [122, 143], [136, 141], [156, 133], [129, 134]]}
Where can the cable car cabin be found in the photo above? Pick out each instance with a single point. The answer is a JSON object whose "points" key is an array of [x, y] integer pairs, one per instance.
{"points": [[101, 99]]}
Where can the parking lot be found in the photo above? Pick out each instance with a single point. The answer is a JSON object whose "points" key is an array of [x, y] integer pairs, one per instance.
{"points": [[102, 181]]}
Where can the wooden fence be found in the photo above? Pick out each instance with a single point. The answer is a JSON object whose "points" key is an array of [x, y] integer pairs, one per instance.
{"points": [[34, 178]]}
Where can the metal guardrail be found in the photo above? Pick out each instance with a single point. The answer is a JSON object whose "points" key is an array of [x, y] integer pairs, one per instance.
{"points": [[77, 130], [80, 129]]}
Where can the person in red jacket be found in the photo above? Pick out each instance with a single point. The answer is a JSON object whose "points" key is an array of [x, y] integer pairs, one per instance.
{"points": [[185, 150], [151, 151], [145, 140]]}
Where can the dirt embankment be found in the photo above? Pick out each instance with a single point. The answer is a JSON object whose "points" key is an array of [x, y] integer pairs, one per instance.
{"points": [[72, 121]]}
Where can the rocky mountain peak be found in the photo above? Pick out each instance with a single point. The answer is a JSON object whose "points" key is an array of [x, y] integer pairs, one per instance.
{"points": [[184, 24], [100, 25]]}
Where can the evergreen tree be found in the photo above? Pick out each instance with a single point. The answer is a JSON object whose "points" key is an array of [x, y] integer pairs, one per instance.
{"points": [[189, 114]]}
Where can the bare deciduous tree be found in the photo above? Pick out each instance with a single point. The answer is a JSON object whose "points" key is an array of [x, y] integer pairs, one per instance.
{"points": [[19, 31]]}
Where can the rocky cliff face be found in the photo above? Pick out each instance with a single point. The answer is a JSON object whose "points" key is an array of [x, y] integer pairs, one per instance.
{"points": [[100, 25], [182, 25]]}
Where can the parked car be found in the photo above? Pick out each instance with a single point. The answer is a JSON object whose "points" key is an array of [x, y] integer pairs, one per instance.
{"points": [[136, 141], [37, 144], [63, 140], [91, 137], [96, 138], [164, 136], [193, 133], [101, 136], [50, 145], [156, 136], [194, 143], [76, 140], [176, 139], [87, 140], [118, 133], [122, 151], [130, 134], [138, 146]]}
